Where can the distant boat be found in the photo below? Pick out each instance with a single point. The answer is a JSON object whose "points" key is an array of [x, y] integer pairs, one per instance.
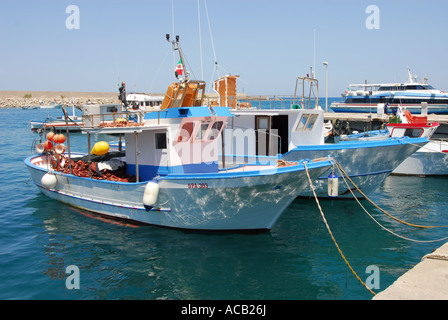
{"points": [[362, 98], [58, 123], [30, 107], [51, 105], [144, 101]]}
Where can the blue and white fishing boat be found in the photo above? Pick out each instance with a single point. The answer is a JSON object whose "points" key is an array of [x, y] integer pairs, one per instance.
{"points": [[429, 160], [299, 134], [367, 97], [170, 173]]}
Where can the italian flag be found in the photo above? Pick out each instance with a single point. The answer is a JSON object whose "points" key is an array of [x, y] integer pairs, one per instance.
{"points": [[179, 68]]}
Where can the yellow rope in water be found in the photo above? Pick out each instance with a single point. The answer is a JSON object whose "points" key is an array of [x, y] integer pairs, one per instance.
{"points": [[374, 204], [390, 231], [331, 234]]}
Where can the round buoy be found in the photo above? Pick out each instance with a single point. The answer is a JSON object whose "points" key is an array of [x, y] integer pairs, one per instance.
{"points": [[49, 180], [50, 136], [48, 145], [100, 148], [333, 185], [150, 195], [59, 138]]}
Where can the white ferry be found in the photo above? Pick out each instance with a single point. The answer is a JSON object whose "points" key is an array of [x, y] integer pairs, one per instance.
{"points": [[411, 95]]}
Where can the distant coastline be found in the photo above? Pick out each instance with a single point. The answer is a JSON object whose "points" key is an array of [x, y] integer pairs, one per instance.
{"points": [[22, 98], [18, 99]]}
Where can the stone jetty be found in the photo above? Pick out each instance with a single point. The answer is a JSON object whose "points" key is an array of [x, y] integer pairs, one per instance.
{"points": [[18, 99]]}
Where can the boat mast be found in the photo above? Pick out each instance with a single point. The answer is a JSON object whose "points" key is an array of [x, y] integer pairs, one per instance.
{"points": [[176, 46]]}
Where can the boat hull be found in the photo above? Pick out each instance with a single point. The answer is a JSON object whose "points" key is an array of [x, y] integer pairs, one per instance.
{"points": [[430, 160], [224, 201], [366, 163]]}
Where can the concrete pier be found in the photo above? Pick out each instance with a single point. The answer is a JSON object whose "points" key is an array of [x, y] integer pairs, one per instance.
{"points": [[428, 280]]}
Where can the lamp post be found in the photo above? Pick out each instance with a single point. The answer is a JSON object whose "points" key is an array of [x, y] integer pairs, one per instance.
{"points": [[326, 86]]}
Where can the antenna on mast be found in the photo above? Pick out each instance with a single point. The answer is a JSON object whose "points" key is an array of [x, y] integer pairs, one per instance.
{"points": [[180, 66]]}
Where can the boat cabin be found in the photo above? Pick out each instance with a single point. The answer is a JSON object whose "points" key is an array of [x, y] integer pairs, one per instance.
{"points": [[182, 137]]}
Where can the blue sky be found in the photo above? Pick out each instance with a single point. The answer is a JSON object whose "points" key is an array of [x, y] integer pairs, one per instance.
{"points": [[267, 42]]}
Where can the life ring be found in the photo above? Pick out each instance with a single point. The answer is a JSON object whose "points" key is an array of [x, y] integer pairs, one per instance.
{"points": [[408, 115]]}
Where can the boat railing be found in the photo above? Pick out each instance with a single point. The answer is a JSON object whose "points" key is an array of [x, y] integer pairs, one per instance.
{"points": [[271, 102], [115, 119]]}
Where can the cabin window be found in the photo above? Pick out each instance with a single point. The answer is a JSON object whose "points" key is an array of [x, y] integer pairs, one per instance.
{"points": [[263, 123], [201, 132], [307, 122], [214, 131], [413, 133], [302, 122], [161, 140], [311, 122], [112, 109], [185, 132]]}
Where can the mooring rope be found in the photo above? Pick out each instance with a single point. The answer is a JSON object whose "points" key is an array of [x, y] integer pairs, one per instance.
{"points": [[383, 227], [374, 204], [331, 234], [426, 148]]}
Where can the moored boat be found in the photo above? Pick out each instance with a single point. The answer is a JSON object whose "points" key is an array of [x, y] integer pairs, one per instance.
{"points": [[431, 159], [51, 105], [170, 173], [299, 134]]}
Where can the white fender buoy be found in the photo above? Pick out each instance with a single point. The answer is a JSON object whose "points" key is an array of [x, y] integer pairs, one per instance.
{"points": [[150, 195], [40, 148], [49, 180], [333, 185]]}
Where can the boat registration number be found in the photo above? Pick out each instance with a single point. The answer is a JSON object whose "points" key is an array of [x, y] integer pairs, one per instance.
{"points": [[197, 185]]}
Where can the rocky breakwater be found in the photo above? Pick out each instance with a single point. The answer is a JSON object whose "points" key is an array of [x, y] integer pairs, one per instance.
{"points": [[18, 99]]}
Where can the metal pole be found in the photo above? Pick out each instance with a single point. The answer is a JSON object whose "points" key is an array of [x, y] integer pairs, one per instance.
{"points": [[326, 86], [68, 140], [136, 157], [88, 151]]}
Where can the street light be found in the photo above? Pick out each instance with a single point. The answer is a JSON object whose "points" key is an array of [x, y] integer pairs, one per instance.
{"points": [[326, 86]]}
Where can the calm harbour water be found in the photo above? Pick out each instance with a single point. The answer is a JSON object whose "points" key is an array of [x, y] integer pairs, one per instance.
{"points": [[40, 238]]}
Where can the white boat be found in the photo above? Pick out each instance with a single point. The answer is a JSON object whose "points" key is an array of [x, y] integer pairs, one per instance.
{"points": [[58, 123], [299, 134], [51, 105], [137, 101], [429, 160], [171, 175], [144, 101], [410, 95]]}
